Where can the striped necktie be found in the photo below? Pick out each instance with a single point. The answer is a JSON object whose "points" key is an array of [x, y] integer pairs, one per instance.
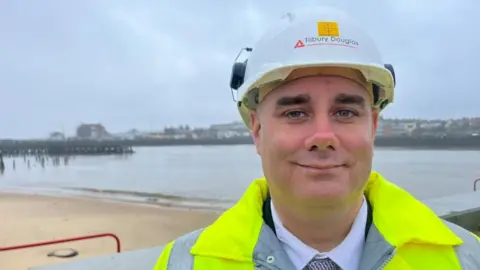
{"points": [[322, 264]]}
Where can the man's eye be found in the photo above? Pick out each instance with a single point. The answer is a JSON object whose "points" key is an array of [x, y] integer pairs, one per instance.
{"points": [[295, 114], [346, 113]]}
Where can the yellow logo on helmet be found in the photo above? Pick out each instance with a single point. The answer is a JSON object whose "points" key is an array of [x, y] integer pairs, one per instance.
{"points": [[328, 29]]}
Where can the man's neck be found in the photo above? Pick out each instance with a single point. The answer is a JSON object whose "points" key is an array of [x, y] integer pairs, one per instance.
{"points": [[321, 227]]}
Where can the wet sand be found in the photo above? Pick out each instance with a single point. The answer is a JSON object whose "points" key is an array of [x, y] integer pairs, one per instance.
{"points": [[37, 218]]}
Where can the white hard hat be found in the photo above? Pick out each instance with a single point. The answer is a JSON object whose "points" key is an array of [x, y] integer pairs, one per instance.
{"points": [[320, 37]]}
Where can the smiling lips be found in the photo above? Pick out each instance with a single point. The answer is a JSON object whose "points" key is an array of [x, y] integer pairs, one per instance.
{"points": [[321, 166]]}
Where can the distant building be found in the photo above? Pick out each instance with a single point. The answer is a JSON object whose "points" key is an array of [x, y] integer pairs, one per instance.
{"points": [[129, 135], [200, 133], [181, 130], [459, 127], [432, 125], [412, 129], [475, 123], [92, 131], [56, 136], [235, 129], [388, 128], [382, 128]]}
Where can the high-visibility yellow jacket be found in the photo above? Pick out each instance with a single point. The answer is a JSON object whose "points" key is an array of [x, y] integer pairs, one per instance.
{"points": [[405, 234]]}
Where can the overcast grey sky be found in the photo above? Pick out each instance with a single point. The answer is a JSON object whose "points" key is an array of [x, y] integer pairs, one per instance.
{"points": [[146, 64]]}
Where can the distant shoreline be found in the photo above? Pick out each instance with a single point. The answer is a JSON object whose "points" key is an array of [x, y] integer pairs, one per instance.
{"points": [[125, 197], [453, 143]]}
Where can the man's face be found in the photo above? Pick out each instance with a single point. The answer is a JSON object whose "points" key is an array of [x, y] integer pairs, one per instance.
{"points": [[315, 136]]}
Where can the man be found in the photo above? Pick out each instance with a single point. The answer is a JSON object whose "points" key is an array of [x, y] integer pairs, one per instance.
{"points": [[311, 93]]}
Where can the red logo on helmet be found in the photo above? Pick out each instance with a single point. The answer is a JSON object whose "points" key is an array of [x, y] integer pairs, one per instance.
{"points": [[299, 44]]}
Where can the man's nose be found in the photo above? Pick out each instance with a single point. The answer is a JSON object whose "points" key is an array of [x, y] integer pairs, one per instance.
{"points": [[322, 135]]}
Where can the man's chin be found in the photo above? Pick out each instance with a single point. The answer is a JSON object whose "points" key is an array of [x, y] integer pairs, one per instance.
{"points": [[324, 190]]}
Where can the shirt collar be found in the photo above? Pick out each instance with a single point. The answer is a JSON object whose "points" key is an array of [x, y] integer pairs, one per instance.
{"points": [[346, 255]]}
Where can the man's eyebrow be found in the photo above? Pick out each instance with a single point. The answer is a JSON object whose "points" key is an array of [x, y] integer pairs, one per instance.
{"points": [[293, 100], [350, 99]]}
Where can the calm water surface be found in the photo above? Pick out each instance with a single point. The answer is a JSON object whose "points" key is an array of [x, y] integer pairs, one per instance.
{"points": [[224, 172]]}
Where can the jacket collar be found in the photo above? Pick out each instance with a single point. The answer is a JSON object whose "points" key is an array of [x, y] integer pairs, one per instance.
{"points": [[398, 216]]}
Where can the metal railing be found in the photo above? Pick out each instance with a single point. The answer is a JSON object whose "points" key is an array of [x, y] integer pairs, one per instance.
{"points": [[64, 240], [475, 184]]}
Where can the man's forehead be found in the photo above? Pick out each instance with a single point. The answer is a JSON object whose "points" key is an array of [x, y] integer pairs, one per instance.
{"points": [[320, 86], [304, 98]]}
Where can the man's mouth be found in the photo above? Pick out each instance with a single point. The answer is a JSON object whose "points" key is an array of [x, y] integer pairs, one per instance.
{"points": [[320, 166]]}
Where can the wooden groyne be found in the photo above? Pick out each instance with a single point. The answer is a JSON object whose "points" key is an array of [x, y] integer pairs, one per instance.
{"points": [[64, 148]]}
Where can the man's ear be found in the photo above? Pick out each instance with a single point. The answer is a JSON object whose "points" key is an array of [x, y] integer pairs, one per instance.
{"points": [[255, 127], [375, 120]]}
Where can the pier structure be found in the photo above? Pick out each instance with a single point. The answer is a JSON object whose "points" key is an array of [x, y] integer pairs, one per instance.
{"points": [[64, 148]]}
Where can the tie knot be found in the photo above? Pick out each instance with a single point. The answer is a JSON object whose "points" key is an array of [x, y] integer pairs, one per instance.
{"points": [[322, 264]]}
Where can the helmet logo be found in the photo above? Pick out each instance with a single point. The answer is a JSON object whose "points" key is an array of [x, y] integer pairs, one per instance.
{"points": [[299, 44], [328, 34], [328, 29]]}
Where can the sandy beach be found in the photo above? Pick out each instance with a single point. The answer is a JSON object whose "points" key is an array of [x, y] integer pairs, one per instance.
{"points": [[37, 218]]}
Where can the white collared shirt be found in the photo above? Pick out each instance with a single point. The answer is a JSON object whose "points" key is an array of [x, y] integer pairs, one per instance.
{"points": [[346, 255]]}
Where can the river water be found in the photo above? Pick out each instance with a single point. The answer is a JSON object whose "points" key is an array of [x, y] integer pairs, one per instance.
{"points": [[222, 173]]}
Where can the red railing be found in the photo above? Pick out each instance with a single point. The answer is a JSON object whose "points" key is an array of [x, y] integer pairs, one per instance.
{"points": [[475, 184], [86, 237]]}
